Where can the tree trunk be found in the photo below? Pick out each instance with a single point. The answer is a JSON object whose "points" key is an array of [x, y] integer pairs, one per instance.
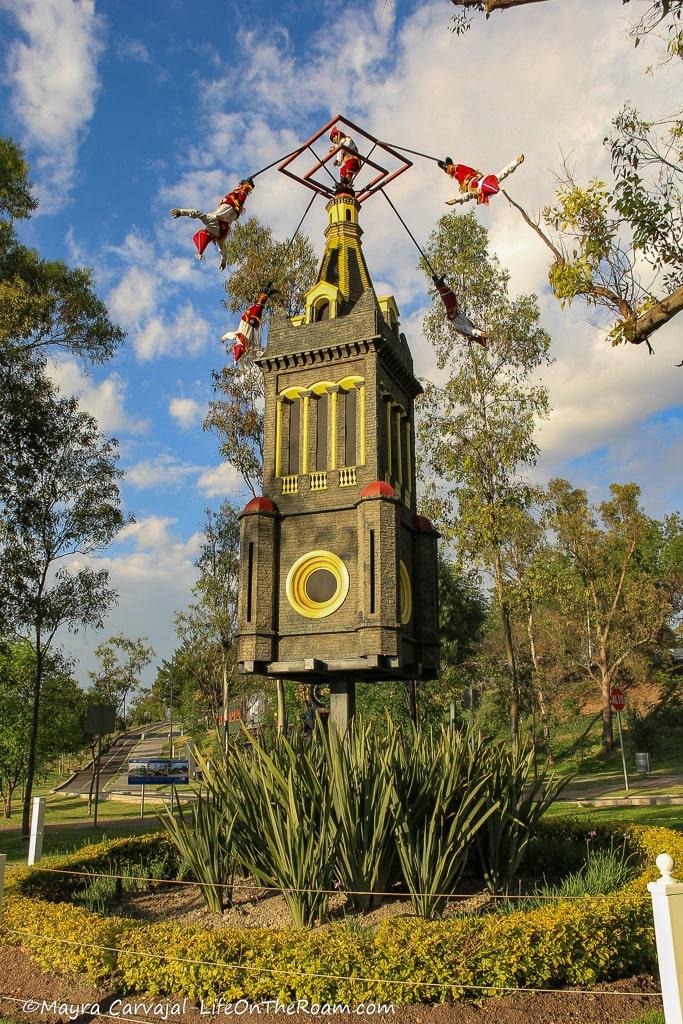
{"points": [[7, 801], [509, 651], [281, 723], [539, 692], [31, 767], [605, 689]]}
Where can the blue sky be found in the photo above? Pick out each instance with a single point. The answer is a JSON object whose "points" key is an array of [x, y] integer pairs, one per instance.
{"points": [[128, 109]]}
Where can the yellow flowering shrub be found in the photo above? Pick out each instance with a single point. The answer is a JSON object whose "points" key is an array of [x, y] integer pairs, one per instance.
{"points": [[401, 960]]}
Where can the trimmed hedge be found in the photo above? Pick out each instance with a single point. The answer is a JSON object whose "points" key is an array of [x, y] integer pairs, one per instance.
{"points": [[577, 943]]}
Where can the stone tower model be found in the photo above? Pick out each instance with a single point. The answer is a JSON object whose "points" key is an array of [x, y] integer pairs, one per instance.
{"points": [[338, 572]]}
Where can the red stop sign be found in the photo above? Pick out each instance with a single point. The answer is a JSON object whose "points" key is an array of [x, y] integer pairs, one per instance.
{"points": [[617, 699]]}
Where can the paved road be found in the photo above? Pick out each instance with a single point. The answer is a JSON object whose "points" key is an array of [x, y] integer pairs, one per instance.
{"points": [[114, 761]]}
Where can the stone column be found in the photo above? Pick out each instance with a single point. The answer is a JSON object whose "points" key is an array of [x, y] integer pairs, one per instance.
{"points": [[342, 704]]}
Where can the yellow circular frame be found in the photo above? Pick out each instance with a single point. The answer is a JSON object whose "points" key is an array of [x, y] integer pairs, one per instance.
{"points": [[406, 595], [298, 576]]}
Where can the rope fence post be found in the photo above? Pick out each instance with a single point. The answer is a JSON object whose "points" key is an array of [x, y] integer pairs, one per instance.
{"points": [[668, 917], [35, 846], [3, 865]]}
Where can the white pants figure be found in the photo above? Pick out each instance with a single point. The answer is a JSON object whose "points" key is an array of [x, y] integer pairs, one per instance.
{"points": [[215, 223]]}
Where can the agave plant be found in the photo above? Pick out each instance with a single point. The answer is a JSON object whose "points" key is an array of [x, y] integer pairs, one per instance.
{"points": [[283, 820], [205, 842], [439, 810], [361, 786], [520, 799]]}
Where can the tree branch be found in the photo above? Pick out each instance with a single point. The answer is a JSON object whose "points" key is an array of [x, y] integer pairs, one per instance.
{"points": [[655, 317], [488, 6], [534, 227]]}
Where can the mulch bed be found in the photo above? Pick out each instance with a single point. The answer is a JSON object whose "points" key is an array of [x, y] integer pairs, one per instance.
{"points": [[22, 979]]}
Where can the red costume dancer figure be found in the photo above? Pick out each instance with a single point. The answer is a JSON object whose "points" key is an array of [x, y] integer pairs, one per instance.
{"points": [[250, 324], [458, 321], [473, 184], [219, 222], [346, 159]]}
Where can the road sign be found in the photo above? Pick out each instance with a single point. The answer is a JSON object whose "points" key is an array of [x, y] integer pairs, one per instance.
{"points": [[158, 771], [617, 699], [100, 720]]}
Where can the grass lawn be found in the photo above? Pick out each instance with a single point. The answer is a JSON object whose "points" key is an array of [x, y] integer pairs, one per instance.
{"points": [[67, 840], [62, 808], [667, 817]]}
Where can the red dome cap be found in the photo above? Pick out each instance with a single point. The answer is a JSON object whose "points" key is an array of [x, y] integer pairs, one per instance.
{"points": [[378, 489], [260, 505]]}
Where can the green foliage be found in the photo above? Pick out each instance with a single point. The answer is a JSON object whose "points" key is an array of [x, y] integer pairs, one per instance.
{"points": [[519, 798], [582, 942], [361, 783], [122, 660], [206, 846], [61, 714], [603, 871]]}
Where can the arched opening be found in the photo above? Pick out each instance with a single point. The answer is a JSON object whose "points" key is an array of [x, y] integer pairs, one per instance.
{"points": [[321, 311]]}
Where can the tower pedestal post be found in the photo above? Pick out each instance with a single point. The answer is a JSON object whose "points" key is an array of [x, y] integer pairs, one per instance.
{"points": [[342, 705]]}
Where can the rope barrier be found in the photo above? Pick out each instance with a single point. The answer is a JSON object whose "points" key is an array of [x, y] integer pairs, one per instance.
{"points": [[329, 892], [326, 977]]}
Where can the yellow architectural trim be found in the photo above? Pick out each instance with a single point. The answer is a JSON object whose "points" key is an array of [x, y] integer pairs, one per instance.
{"points": [[292, 393], [321, 386], [361, 423], [406, 594], [389, 453], [333, 418], [298, 577], [278, 437], [351, 382], [304, 434]]}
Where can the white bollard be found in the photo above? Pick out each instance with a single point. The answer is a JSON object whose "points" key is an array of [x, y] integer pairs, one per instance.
{"points": [[35, 846], [667, 910], [3, 865]]}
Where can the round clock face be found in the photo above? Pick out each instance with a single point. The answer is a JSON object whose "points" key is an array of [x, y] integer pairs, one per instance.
{"points": [[317, 584], [406, 595]]}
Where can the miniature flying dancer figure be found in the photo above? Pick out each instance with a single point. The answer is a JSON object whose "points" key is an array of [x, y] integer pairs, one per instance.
{"points": [[250, 324], [219, 222], [473, 184], [458, 321], [346, 159]]}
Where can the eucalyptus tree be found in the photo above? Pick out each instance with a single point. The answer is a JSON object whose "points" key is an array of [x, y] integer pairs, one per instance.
{"points": [[628, 579], [477, 427], [59, 504]]}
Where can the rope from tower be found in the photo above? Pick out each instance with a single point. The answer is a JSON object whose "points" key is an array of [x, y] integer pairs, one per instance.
{"points": [[415, 152], [411, 235], [290, 243], [279, 160]]}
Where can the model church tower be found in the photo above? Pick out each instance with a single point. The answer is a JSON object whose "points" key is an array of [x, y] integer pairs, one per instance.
{"points": [[338, 573]]}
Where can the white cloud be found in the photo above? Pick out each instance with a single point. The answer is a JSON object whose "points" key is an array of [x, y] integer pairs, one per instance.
{"points": [[53, 75], [187, 332], [219, 480], [186, 412], [104, 399], [164, 470], [133, 49], [133, 298], [153, 570]]}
